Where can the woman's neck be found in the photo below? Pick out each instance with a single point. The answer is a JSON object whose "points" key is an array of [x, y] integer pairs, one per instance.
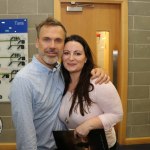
{"points": [[74, 81]]}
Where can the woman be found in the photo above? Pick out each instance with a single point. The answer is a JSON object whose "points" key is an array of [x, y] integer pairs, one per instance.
{"points": [[86, 105]]}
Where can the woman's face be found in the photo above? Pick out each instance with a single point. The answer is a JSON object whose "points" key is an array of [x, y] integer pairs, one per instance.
{"points": [[73, 56]]}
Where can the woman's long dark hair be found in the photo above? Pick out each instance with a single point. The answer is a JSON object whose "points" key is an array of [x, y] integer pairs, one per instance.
{"points": [[81, 93]]}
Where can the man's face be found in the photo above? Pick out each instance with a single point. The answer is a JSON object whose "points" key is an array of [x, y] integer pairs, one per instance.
{"points": [[50, 44]]}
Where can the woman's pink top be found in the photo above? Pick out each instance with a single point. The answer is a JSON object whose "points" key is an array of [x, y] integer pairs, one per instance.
{"points": [[107, 105]]}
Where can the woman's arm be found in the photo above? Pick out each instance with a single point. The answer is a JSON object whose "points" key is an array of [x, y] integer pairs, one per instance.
{"points": [[108, 101]]}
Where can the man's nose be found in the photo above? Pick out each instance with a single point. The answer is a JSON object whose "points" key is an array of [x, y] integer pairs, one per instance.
{"points": [[52, 44]]}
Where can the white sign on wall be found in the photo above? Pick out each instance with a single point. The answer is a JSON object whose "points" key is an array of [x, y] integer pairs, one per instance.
{"points": [[13, 52]]}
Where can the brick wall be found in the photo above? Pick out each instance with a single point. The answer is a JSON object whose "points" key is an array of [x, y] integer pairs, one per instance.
{"points": [[35, 11], [138, 120]]}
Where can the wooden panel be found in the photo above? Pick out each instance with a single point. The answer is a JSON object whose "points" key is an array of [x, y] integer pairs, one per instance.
{"points": [[100, 17], [123, 54], [7, 146], [94, 1]]}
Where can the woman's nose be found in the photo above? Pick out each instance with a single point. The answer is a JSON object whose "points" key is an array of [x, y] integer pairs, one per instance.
{"points": [[71, 57]]}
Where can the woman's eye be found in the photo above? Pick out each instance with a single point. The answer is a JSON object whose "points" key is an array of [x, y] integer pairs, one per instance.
{"points": [[65, 53], [77, 54]]}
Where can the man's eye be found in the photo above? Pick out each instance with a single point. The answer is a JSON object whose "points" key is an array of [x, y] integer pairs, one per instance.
{"points": [[46, 40], [59, 40]]}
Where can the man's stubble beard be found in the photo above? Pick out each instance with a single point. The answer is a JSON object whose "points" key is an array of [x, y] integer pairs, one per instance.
{"points": [[50, 60]]}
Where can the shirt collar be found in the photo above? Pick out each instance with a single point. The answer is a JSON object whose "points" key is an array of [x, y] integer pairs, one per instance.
{"points": [[44, 68]]}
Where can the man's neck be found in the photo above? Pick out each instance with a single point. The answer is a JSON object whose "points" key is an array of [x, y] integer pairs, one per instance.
{"points": [[51, 66]]}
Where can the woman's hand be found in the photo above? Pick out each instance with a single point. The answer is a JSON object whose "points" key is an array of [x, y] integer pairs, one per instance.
{"points": [[83, 129], [100, 75]]}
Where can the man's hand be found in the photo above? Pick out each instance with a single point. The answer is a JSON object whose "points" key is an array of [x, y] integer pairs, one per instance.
{"points": [[100, 75]]}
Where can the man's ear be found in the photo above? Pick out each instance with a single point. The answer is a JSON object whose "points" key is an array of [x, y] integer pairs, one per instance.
{"points": [[37, 43]]}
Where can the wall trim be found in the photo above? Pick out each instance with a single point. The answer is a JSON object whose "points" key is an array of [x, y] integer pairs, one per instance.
{"points": [[123, 65], [128, 141], [139, 140], [7, 146]]}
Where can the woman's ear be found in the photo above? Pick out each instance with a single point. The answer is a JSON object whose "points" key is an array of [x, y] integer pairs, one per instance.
{"points": [[85, 61]]}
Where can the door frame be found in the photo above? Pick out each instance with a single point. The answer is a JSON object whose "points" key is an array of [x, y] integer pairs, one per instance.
{"points": [[123, 62]]}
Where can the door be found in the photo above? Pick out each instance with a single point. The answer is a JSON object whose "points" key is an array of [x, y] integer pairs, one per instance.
{"points": [[90, 19]]}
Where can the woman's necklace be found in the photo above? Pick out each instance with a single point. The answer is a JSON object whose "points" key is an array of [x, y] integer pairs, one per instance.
{"points": [[66, 120]]}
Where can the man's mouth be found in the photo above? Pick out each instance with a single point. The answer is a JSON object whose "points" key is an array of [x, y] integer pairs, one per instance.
{"points": [[52, 53]]}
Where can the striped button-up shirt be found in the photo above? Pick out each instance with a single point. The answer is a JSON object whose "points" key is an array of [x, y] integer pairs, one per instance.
{"points": [[35, 96]]}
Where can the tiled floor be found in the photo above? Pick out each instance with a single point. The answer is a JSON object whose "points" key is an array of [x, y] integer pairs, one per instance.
{"points": [[135, 147]]}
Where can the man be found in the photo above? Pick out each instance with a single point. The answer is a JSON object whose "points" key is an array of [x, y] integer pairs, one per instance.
{"points": [[37, 90]]}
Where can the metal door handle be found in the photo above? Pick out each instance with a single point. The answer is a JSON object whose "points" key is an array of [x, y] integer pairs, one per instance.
{"points": [[115, 61]]}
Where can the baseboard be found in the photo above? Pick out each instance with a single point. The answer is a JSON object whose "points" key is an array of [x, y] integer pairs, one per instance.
{"points": [[142, 140], [128, 141], [7, 146]]}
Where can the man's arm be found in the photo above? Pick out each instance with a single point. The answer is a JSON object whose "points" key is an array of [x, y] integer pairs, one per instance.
{"points": [[100, 75], [22, 114]]}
